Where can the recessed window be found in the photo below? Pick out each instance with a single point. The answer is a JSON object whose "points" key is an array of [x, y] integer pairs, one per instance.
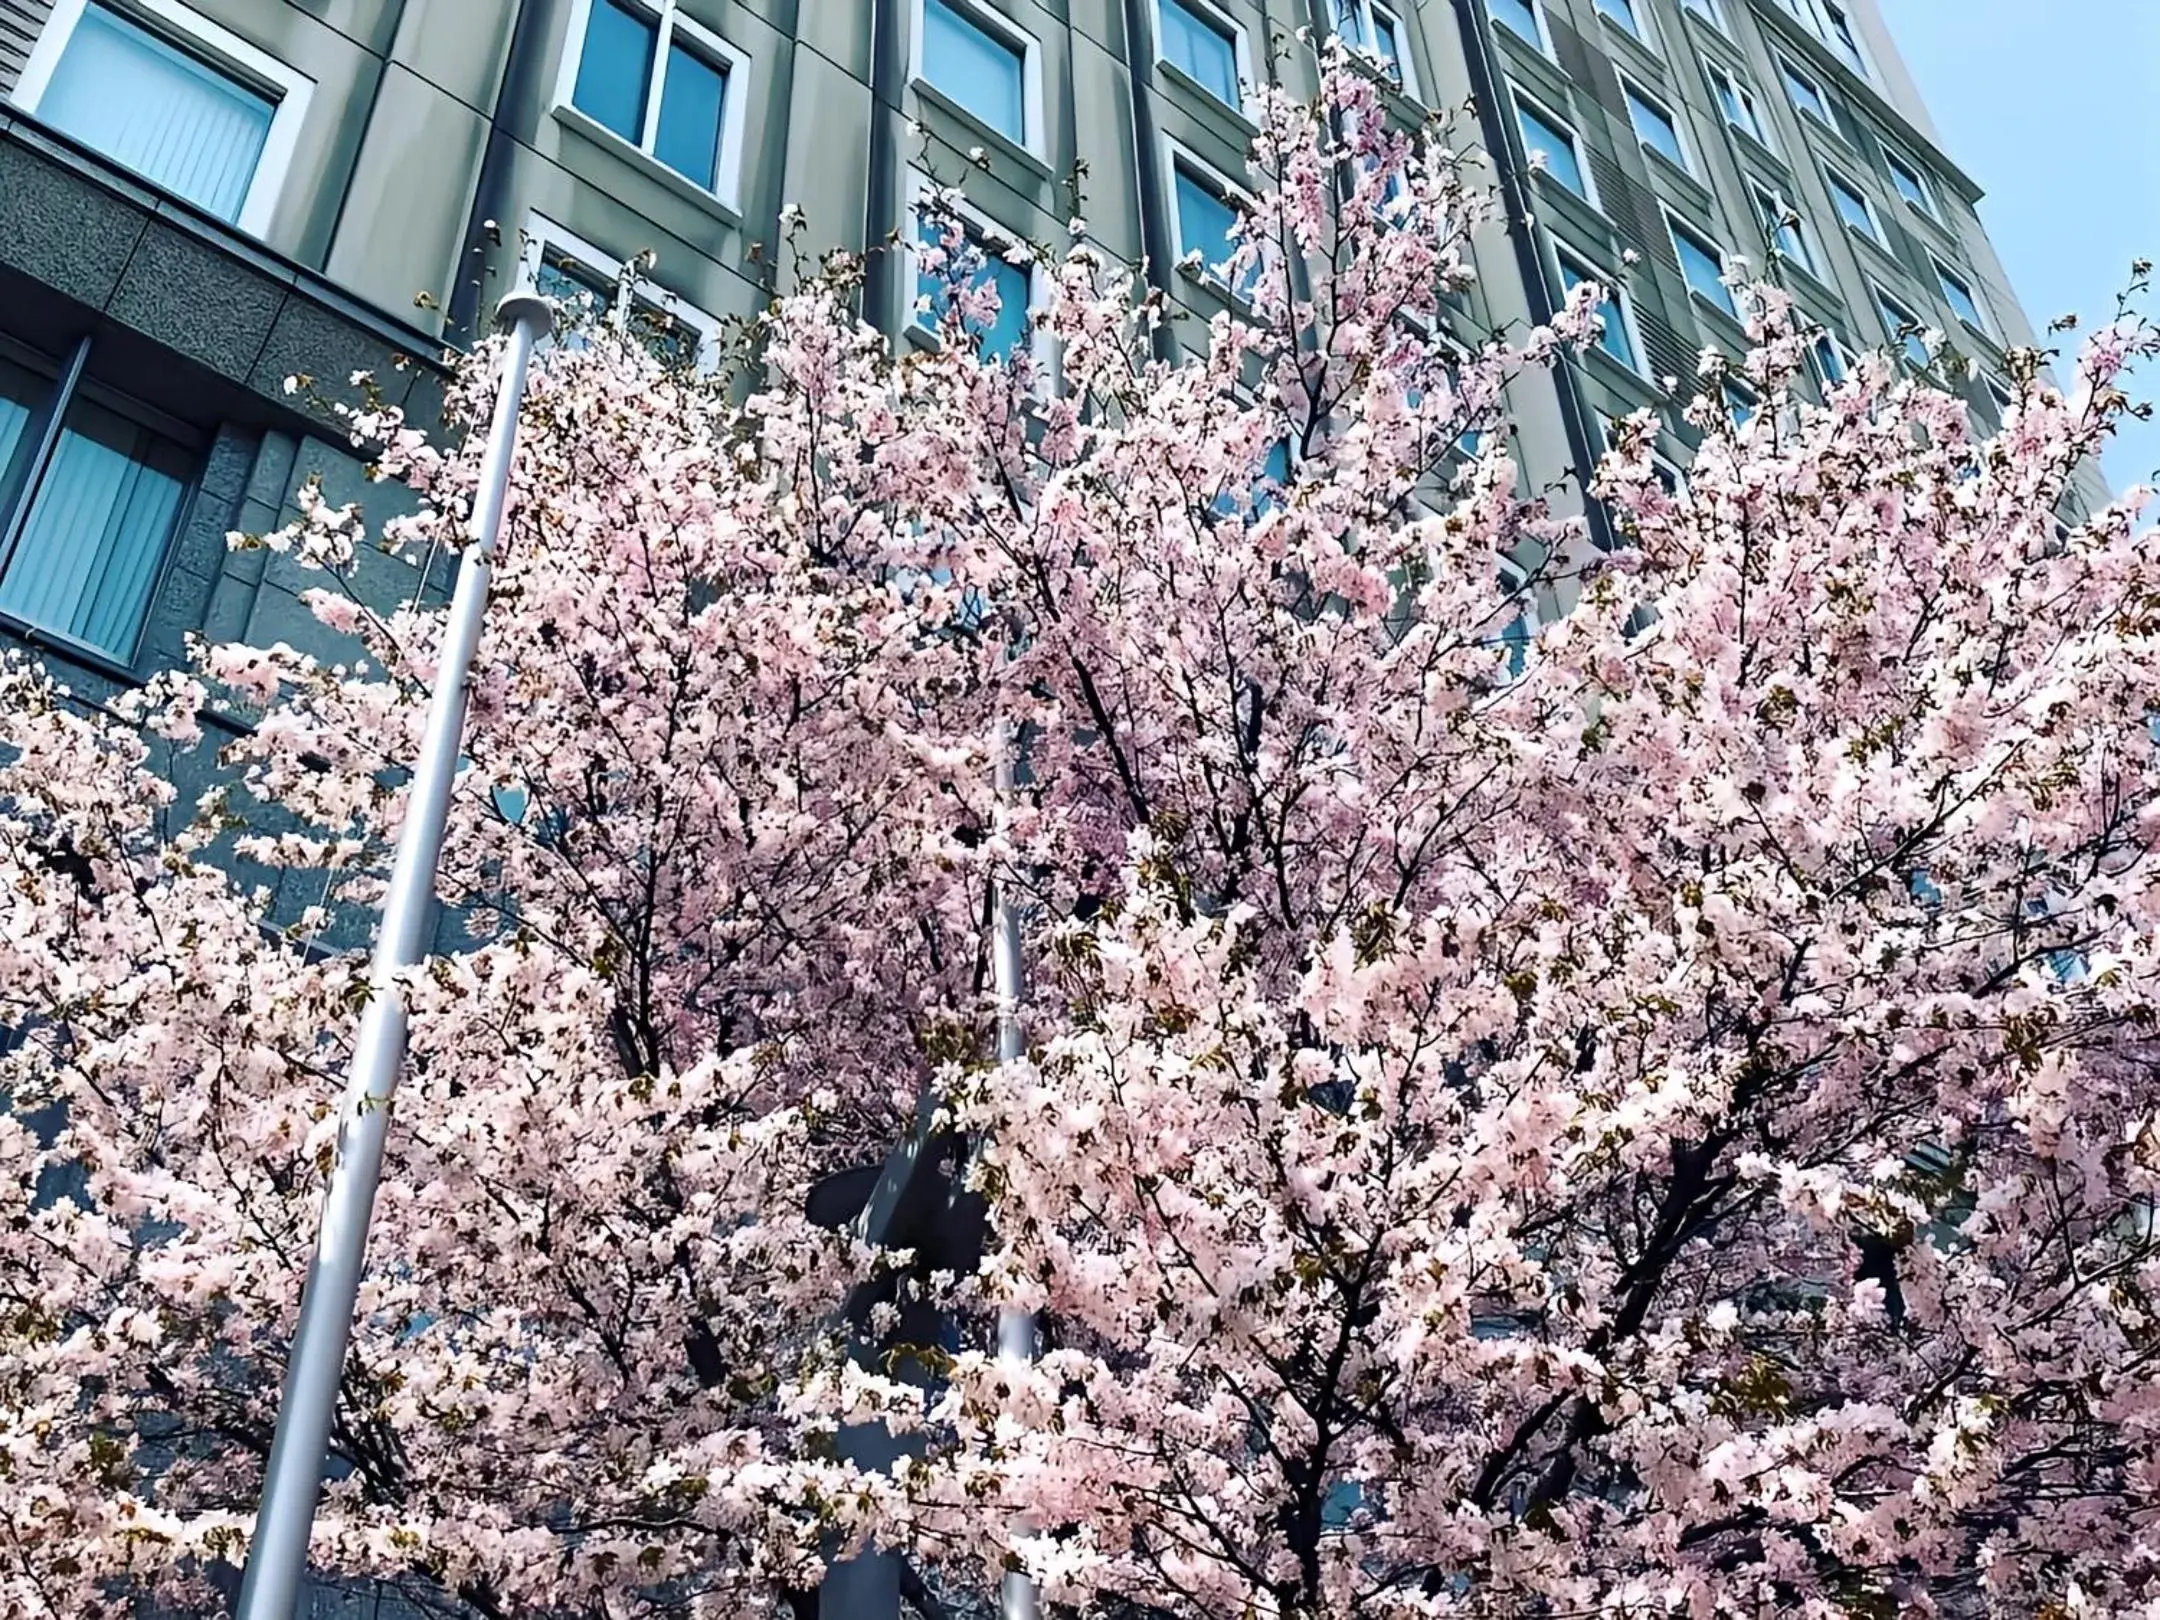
{"points": [[1544, 136], [1910, 183], [1655, 125], [1806, 94], [1206, 222], [1616, 335], [591, 284], [2004, 396], [1375, 27], [1737, 102], [1709, 10], [1265, 492], [1522, 19], [1627, 14], [1200, 44], [1826, 358], [979, 262], [171, 95], [1739, 404], [1844, 38], [665, 84], [1702, 264], [981, 63], [87, 511], [1853, 206], [1782, 226], [1958, 294], [1904, 326]]}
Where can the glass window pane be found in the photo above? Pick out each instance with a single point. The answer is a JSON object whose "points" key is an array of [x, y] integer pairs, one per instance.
{"points": [[1003, 335], [1962, 303], [24, 397], [1700, 263], [1656, 130], [1540, 134], [96, 534], [1909, 185], [1205, 222], [1613, 338], [982, 72], [691, 99], [615, 68], [176, 121], [1805, 95], [1852, 207], [1517, 17], [1201, 48], [1902, 320], [1623, 13]]}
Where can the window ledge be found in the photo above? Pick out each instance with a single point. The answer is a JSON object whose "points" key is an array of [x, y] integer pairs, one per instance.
{"points": [[1635, 42], [1209, 99], [1661, 164], [993, 138], [645, 163]]}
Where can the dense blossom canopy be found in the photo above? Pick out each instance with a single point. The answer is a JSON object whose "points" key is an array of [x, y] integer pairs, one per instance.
{"points": [[1654, 1119]]}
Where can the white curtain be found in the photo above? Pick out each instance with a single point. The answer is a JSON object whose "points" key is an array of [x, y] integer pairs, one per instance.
{"points": [[90, 553], [175, 120]]}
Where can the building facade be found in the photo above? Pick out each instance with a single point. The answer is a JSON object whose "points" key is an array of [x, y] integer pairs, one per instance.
{"points": [[202, 198]]}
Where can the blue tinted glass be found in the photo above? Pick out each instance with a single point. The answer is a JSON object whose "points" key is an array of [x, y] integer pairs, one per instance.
{"points": [[1613, 339], [981, 72], [690, 104], [1852, 207], [1519, 19], [1540, 134], [1002, 336], [1621, 12], [1805, 96], [1655, 130], [1961, 302], [1201, 49], [1702, 268], [1205, 222], [615, 69]]}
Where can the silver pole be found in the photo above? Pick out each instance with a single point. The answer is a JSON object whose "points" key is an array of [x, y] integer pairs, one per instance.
{"points": [[1016, 1329], [277, 1560]]}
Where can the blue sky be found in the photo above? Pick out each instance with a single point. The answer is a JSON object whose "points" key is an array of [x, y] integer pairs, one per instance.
{"points": [[2050, 106]]}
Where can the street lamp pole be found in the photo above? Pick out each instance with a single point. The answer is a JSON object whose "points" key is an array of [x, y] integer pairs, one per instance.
{"points": [[277, 1558], [1016, 1328]]}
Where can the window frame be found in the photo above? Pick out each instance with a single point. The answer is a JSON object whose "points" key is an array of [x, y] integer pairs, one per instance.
{"points": [[1617, 303], [1836, 180], [1711, 11], [1645, 33], [1930, 207], [1823, 339], [1884, 299], [1675, 228], [1790, 72], [1633, 90], [1810, 259], [980, 227], [734, 63], [1176, 156], [1543, 43], [1409, 84], [1240, 50], [70, 383], [1744, 92], [217, 48], [1518, 98], [996, 23], [1944, 276], [539, 234]]}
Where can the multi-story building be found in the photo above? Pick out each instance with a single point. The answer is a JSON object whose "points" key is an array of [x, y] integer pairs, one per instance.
{"points": [[202, 198]]}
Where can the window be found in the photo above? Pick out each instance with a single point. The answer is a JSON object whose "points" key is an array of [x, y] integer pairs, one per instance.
{"points": [[983, 64], [1627, 15], [1616, 335], [1709, 10], [1782, 227], [1202, 46], [1655, 125], [675, 90], [1737, 102], [593, 284], [1543, 135], [1373, 27], [1958, 294], [174, 97], [981, 260], [1521, 18], [1265, 491], [90, 495], [1739, 404], [1702, 262], [1905, 327], [1204, 216], [1853, 207], [1826, 358], [2004, 396], [1910, 183], [1843, 37], [1806, 94]]}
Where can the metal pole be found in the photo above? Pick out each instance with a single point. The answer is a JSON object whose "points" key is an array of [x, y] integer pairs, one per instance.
{"points": [[1016, 1329], [277, 1560]]}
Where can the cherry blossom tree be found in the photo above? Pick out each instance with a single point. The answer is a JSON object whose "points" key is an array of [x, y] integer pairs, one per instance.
{"points": [[1652, 1118]]}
